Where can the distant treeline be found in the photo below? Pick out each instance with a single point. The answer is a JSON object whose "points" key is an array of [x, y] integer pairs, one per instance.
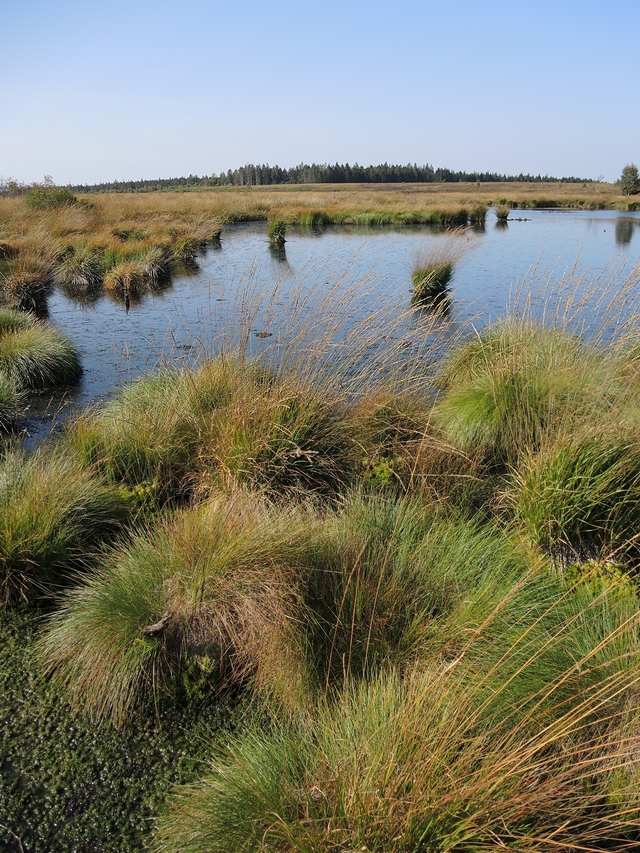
{"points": [[265, 175]]}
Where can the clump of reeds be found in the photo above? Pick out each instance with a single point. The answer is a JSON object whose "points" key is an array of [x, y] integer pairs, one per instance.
{"points": [[277, 232], [51, 512], [203, 599], [432, 269], [502, 213], [34, 355]]}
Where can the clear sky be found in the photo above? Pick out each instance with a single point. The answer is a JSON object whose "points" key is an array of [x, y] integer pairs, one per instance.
{"points": [[95, 91]]}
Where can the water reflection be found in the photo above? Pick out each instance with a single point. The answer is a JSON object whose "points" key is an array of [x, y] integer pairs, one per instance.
{"points": [[279, 254], [624, 231], [198, 305]]}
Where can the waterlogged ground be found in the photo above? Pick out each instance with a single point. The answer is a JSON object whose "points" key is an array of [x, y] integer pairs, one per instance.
{"points": [[373, 266]]}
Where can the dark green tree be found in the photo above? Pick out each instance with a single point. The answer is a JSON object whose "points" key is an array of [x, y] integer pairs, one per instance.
{"points": [[630, 180]]}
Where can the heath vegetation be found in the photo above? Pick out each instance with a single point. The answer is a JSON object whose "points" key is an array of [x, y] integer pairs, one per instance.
{"points": [[392, 585]]}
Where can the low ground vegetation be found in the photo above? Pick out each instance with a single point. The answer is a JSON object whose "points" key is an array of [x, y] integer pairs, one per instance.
{"points": [[417, 579]]}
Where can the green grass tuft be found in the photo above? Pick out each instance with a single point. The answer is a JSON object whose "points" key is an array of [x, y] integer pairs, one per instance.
{"points": [[52, 512], [34, 355], [516, 384], [218, 584]]}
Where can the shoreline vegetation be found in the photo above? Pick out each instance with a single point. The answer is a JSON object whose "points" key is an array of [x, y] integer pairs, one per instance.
{"points": [[128, 243], [351, 593]]}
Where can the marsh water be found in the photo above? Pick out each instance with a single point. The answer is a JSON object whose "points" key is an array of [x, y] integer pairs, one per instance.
{"points": [[234, 277]]}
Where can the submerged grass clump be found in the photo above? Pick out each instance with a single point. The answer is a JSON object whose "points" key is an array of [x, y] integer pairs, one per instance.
{"points": [[277, 232]]}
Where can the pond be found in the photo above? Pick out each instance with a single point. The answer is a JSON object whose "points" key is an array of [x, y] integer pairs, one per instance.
{"points": [[183, 320]]}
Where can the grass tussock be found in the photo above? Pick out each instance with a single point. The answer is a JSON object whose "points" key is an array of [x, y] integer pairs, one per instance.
{"points": [[80, 272], [33, 355], [517, 383], [579, 495], [424, 762], [9, 404], [432, 269], [53, 512], [205, 598], [227, 423], [28, 281]]}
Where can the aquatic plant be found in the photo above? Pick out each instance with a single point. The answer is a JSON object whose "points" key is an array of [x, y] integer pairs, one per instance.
{"points": [[502, 212], [432, 270], [52, 512], [77, 784], [277, 231], [204, 598]]}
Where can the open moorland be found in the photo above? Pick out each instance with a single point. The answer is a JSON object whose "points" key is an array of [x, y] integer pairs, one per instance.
{"points": [[310, 600]]}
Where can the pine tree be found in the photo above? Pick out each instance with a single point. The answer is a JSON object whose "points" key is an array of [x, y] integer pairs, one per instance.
{"points": [[630, 180]]}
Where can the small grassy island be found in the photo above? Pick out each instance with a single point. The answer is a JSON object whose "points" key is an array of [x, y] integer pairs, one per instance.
{"points": [[309, 601]]}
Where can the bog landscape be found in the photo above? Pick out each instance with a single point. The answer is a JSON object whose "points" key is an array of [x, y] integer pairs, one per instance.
{"points": [[320, 517]]}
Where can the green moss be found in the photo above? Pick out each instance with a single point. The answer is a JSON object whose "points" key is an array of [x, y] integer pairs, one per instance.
{"points": [[70, 784]]}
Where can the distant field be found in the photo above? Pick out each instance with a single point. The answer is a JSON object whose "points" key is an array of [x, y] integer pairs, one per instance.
{"points": [[390, 197]]}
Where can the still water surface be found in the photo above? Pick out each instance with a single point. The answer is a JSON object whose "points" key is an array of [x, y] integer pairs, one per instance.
{"points": [[177, 323]]}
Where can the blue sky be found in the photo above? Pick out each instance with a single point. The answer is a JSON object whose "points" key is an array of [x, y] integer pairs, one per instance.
{"points": [[94, 91]]}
